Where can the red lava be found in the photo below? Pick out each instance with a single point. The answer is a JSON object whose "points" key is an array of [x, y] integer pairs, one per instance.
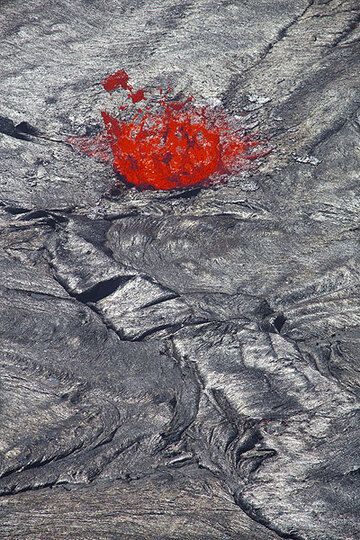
{"points": [[173, 144]]}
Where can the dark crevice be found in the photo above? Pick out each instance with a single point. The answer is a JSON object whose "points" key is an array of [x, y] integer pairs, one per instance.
{"points": [[35, 214], [41, 485], [255, 462], [26, 214], [170, 296], [347, 31], [24, 131], [20, 131], [52, 217], [225, 406], [24, 128], [101, 290], [250, 438], [15, 210], [232, 89], [98, 290], [327, 133], [186, 194], [274, 324], [279, 322], [283, 33], [154, 330], [257, 516], [173, 327], [41, 462], [53, 212], [34, 294], [55, 481], [332, 14]]}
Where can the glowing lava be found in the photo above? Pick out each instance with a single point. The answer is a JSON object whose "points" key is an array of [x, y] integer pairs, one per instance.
{"points": [[171, 144]]}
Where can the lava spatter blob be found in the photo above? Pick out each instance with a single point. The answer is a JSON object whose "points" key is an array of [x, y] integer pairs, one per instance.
{"points": [[170, 144]]}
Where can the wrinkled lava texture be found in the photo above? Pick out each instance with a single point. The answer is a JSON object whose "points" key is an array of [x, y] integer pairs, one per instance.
{"points": [[170, 143], [180, 364]]}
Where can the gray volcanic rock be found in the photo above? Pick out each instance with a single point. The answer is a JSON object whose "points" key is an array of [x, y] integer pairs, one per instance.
{"points": [[182, 364]]}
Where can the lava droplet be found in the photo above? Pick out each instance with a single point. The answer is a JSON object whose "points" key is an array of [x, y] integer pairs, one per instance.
{"points": [[171, 144]]}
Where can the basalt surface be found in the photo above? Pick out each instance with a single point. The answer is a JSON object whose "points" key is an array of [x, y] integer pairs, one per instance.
{"points": [[180, 364]]}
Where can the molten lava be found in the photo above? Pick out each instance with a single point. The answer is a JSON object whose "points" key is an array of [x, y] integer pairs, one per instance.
{"points": [[171, 144]]}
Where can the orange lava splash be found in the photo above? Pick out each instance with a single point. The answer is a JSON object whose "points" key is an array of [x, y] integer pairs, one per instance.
{"points": [[172, 144]]}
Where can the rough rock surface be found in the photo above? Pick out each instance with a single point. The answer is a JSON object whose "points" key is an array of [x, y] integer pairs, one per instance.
{"points": [[180, 365]]}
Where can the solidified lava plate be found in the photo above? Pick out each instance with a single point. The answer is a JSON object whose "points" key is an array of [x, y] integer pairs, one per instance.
{"points": [[179, 364], [170, 143]]}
